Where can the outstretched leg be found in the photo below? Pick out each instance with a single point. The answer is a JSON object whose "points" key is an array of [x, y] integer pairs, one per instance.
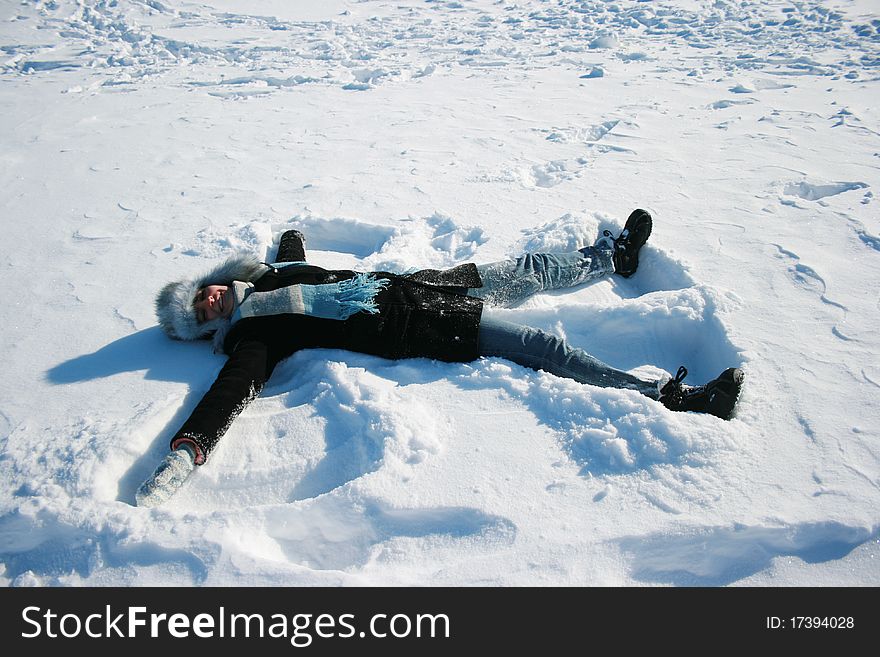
{"points": [[508, 282], [538, 350]]}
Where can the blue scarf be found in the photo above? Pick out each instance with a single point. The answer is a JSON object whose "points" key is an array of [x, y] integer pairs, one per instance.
{"points": [[337, 301]]}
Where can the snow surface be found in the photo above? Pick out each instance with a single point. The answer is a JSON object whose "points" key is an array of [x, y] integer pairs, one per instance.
{"points": [[142, 140]]}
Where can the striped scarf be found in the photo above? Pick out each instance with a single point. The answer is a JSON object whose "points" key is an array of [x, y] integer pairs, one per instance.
{"points": [[337, 301]]}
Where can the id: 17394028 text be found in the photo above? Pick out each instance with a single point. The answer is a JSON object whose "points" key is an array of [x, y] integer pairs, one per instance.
{"points": [[810, 623]]}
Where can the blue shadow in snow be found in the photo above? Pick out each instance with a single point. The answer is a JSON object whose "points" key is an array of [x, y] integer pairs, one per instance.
{"points": [[150, 350], [719, 556], [161, 359]]}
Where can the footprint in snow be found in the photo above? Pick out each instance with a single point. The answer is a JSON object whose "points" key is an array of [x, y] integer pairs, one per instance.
{"points": [[813, 192]]}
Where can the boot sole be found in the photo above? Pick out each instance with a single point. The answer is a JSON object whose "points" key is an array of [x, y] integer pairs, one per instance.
{"points": [[635, 223], [639, 217], [724, 393]]}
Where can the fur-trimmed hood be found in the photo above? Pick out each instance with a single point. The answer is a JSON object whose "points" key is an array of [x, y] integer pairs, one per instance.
{"points": [[174, 303]]}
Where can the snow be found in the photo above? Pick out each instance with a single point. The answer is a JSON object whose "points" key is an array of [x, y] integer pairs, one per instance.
{"points": [[143, 141]]}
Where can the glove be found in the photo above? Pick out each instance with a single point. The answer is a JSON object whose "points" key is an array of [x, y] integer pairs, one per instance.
{"points": [[174, 469]]}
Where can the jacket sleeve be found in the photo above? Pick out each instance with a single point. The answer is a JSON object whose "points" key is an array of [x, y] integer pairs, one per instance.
{"points": [[240, 381], [291, 247]]}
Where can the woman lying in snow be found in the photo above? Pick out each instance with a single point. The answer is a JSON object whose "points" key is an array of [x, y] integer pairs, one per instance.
{"points": [[260, 314]]}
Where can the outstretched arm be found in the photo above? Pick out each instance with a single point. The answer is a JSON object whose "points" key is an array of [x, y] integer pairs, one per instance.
{"points": [[241, 379], [291, 247]]}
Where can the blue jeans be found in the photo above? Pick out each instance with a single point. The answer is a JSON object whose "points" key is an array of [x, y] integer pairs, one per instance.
{"points": [[509, 282]]}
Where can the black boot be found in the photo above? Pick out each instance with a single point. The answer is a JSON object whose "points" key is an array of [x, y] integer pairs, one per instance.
{"points": [[718, 397], [291, 247], [626, 246]]}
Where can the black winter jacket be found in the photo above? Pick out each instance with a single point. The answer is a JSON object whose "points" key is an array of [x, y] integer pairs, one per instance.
{"points": [[423, 314]]}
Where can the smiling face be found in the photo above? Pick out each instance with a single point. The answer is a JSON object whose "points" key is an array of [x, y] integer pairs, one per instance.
{"points": [[212, 302]]}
